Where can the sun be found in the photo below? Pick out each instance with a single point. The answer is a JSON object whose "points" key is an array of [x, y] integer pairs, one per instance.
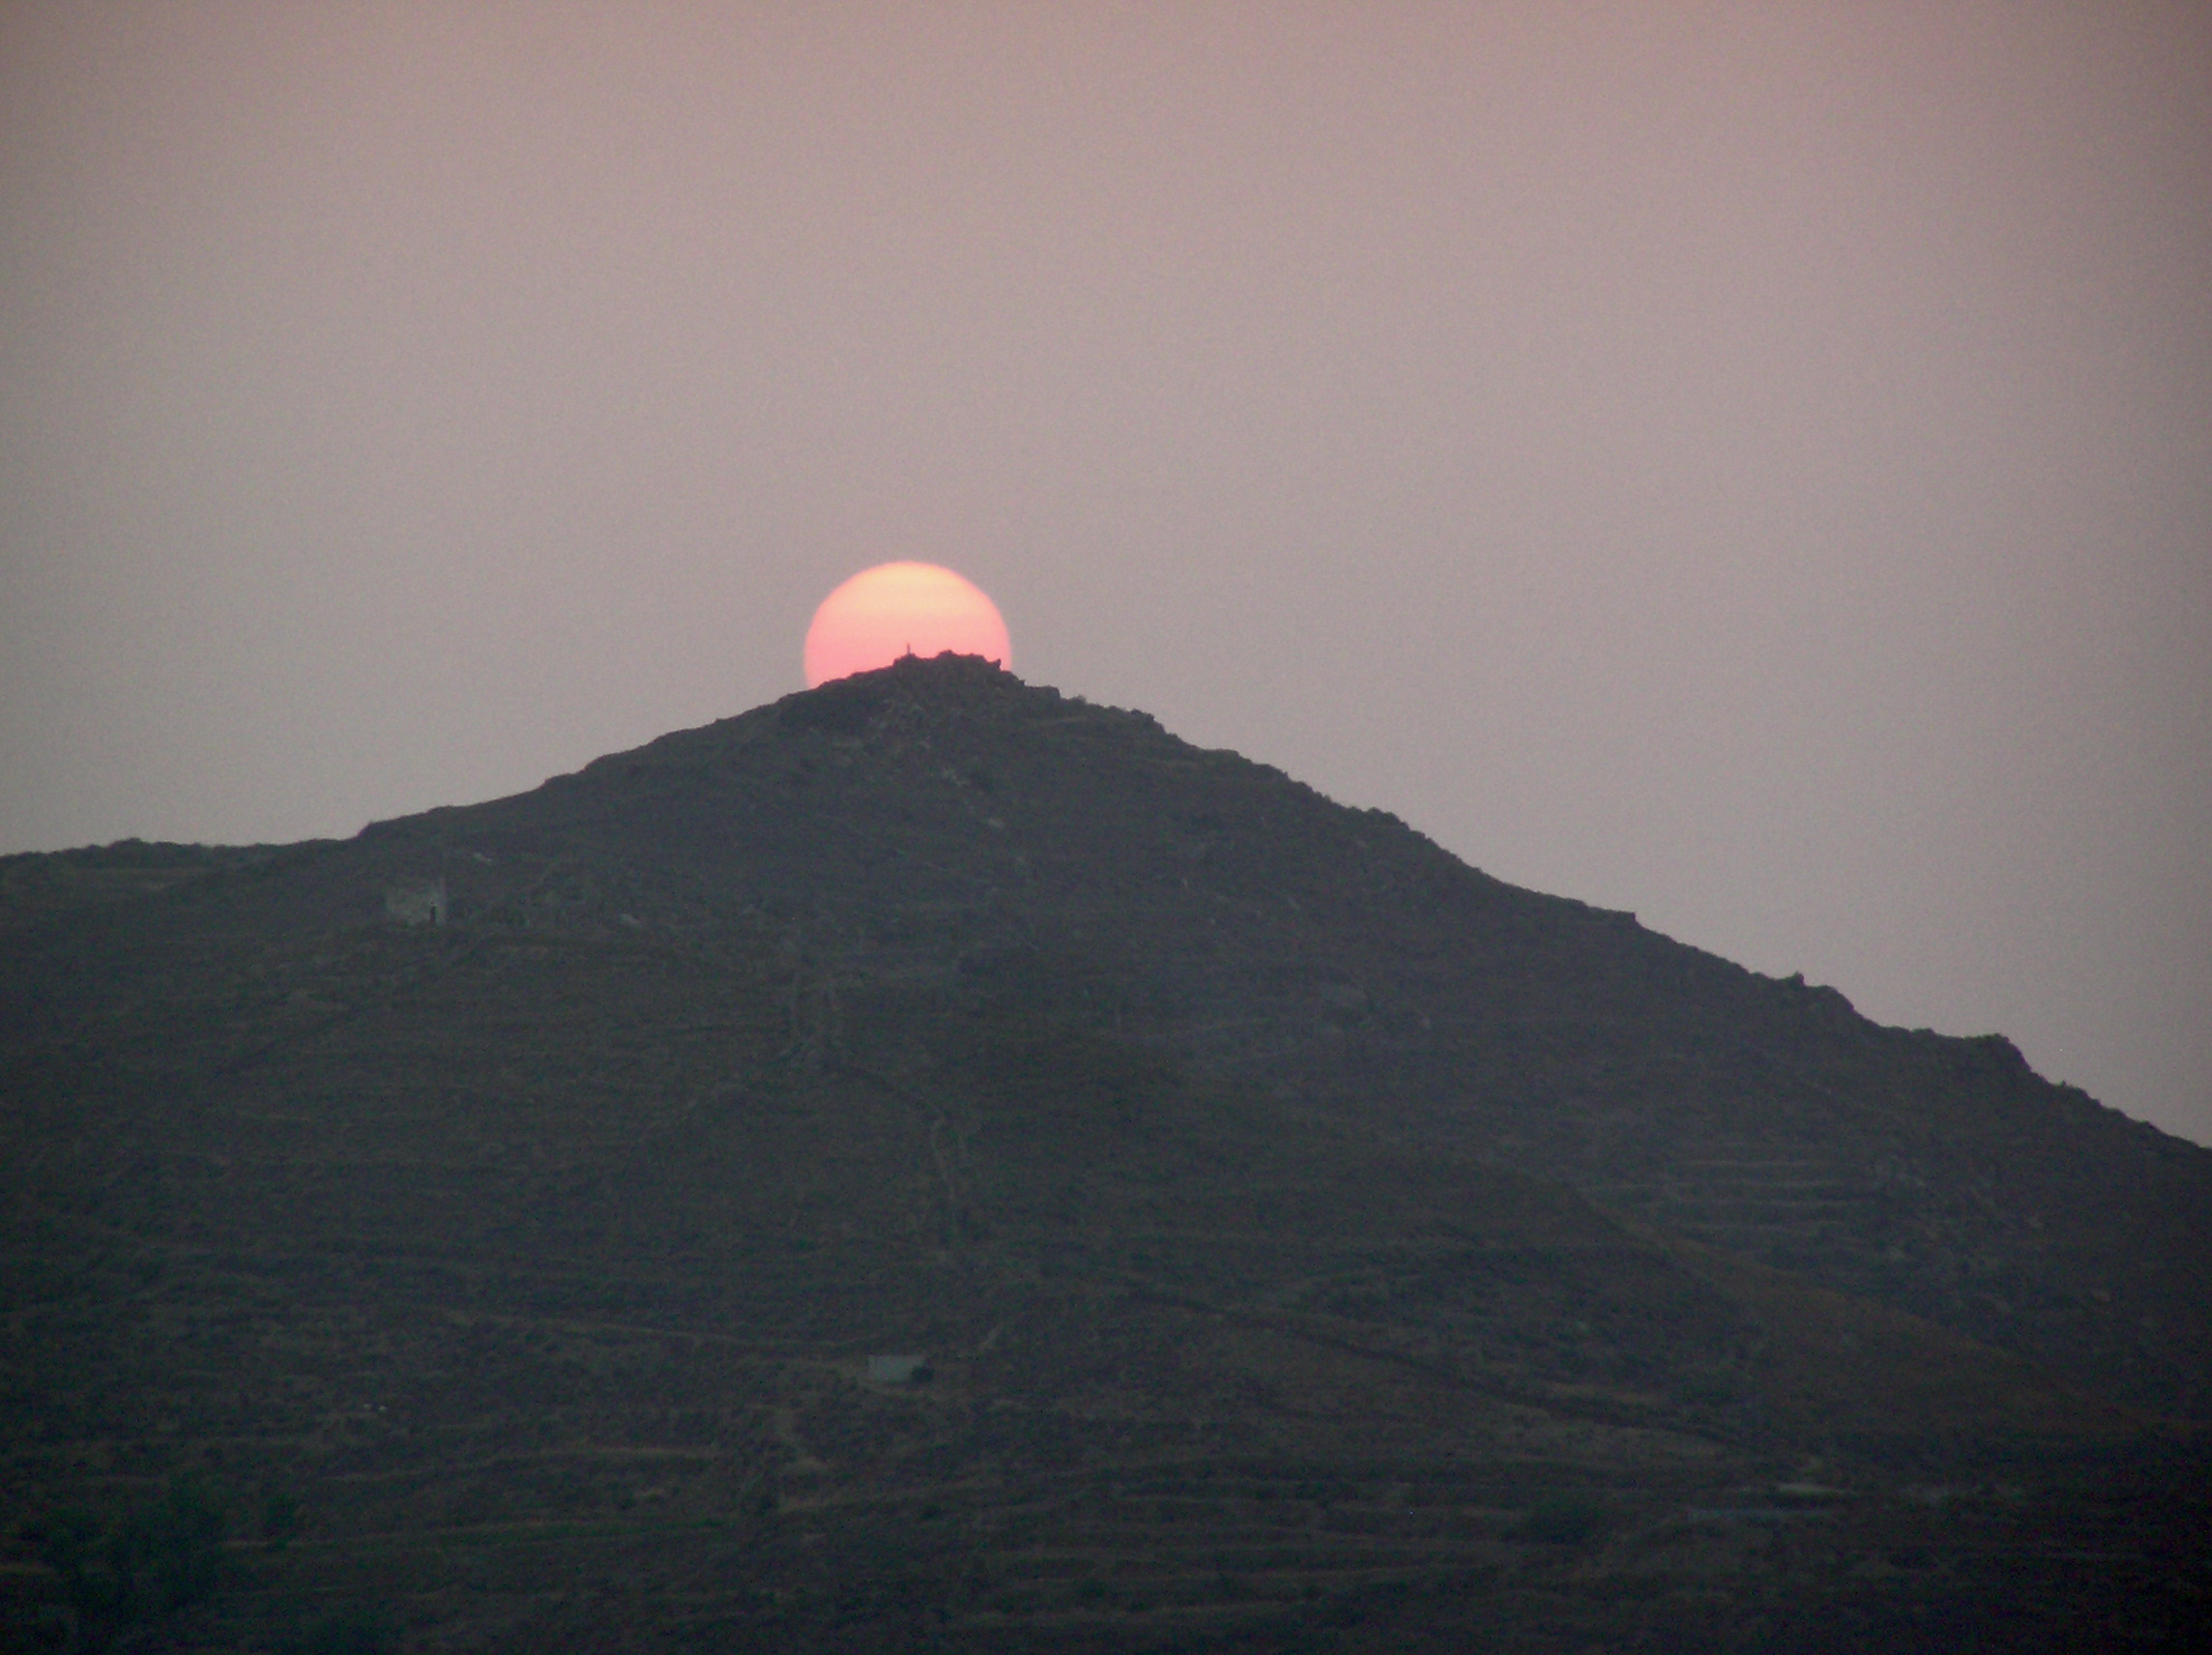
{"points": [[901, 609]]}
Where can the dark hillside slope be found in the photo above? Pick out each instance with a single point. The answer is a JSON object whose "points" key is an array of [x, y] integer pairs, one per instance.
{"points": [[1309, 1242], [1341, 964]]}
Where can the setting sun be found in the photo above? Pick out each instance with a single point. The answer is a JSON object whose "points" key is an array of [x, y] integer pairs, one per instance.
{"points": [[899, 609]]}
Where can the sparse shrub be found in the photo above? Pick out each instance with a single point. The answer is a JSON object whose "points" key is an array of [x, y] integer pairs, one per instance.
{"points": [[279, 1518], [164, 1555], [181, 1542], [1564, 1520], [363, 1629], [1037, 1075], [1707, 1392], [71, 1543]]}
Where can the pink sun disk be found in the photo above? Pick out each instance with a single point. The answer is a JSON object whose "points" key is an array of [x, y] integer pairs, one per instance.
{"points": [[899, 609]]}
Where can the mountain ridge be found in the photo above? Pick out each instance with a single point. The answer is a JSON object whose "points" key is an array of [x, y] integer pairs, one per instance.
{"points": [[1389, 866], [1233, 1157]]}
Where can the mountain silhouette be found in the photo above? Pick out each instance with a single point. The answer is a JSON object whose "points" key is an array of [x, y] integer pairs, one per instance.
{"points": [[931, 1163]]}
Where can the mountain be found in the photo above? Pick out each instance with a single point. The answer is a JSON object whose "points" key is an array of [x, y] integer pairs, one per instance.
{"points": [[935, 1164]]}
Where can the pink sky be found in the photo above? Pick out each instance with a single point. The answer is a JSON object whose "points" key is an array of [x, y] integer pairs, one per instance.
{"points": [[1746, 463]]}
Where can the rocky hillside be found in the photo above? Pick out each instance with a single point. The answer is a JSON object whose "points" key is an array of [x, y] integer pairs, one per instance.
{"points": [[935, 1164]]}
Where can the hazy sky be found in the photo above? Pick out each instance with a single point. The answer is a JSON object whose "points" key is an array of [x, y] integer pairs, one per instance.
{"points": [[1749, 464]]}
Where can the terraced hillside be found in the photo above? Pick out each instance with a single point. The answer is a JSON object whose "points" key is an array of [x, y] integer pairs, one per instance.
{"points": [[1289, 1238]]}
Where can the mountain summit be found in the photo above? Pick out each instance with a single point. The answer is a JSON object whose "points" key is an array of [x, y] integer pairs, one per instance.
{"points": [[932, 1163]]}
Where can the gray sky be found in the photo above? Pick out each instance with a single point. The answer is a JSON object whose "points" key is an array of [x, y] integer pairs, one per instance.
{"points": [[1750, 464]]}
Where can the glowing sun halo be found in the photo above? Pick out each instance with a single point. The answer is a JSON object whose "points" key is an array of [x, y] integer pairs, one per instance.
{"points": [[898, 609]]}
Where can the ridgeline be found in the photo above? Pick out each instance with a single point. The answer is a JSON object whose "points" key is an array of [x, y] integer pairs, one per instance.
{"points": [[932, 1164]]}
